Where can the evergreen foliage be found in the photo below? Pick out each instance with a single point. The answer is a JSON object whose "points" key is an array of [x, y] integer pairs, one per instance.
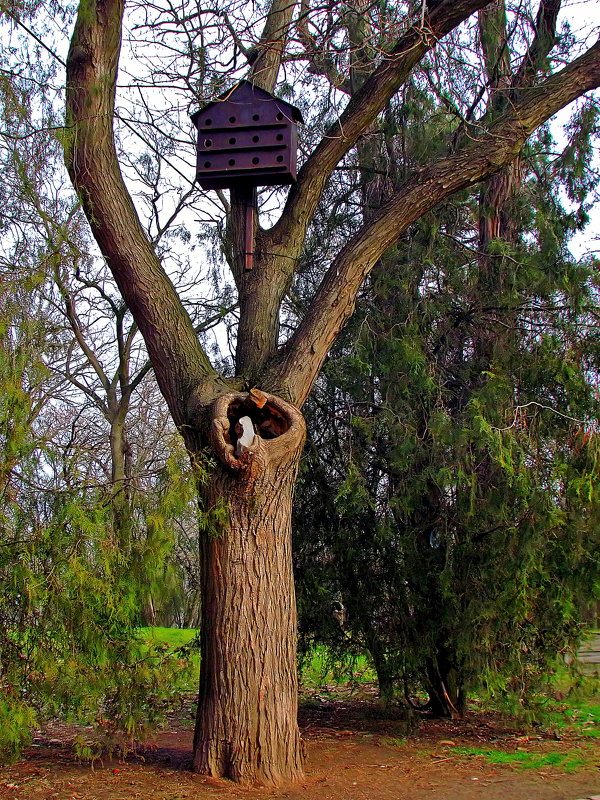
{"points": [[449, 494], [71, 602]]}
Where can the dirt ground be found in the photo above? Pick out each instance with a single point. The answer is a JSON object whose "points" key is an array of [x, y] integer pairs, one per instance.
{"points": [[352, 752]]}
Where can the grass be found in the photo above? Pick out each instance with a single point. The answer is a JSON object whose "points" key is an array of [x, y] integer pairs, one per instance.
{"points": [[392, 741], [329, 675], [569, 761], [177, 641], [321, 670], [173, 637], [568, 703], [579, 715]]}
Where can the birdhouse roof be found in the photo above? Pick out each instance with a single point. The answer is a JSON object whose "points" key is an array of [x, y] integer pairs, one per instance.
{"points": [[245, 93]]}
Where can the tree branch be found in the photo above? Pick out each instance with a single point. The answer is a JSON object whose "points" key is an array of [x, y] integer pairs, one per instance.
{"points": [[295, 368], [443, 16], [262, 290], [541, 44], [78, 333], [272, 42], [258, 294], [319, 61], [180, 363]]}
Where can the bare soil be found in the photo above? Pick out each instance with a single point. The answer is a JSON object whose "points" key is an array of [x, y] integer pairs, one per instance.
{"points": [[353, 751]]}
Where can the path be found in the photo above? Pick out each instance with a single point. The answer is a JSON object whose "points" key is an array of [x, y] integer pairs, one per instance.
{"points": [[353, 754]]}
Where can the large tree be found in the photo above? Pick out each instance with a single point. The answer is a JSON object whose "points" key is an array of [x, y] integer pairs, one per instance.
{"points": [[246, 726], [74, 579], [441, 495], [442, 522]]}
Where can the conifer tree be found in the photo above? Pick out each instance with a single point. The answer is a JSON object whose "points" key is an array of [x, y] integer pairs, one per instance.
{"points": [[443, 535]]}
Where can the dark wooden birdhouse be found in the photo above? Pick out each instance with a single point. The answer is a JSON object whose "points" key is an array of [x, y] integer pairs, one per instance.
{"points": [[246, 138]]}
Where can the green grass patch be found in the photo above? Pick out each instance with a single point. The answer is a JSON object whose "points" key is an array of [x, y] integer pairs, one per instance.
{"points": [[577, 715], [560, 698], [173, 637], [565, 762], [392, 741], [176, 642], [323, 670]]}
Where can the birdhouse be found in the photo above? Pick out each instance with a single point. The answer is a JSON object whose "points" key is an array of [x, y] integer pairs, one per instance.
{"points": [[246, 138]]}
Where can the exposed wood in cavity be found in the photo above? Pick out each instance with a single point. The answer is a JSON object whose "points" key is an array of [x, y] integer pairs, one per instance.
{"points": [[246, 436], [278, 425], [257, 397]]}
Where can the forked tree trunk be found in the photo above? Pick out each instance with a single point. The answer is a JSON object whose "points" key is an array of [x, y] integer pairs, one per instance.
{"points": [[247, 726], [445, 687], [246, 723]]}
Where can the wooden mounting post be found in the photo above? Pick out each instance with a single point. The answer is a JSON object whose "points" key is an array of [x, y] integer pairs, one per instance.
{"points": [[249, 210]]}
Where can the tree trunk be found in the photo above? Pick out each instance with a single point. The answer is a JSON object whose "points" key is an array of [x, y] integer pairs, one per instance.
{"points": [[386, 680], [445, 687], [120, 479], [247, 726]]}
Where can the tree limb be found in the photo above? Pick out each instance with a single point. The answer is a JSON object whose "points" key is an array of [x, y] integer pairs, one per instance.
{"points": [[180, 363], [272, 42], [259, 295], [295, 368], [443, 16], [541, 44], [262, 290]]}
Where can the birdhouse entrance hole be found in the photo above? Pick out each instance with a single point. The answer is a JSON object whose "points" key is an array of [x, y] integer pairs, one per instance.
{"points": [[247, 137]]}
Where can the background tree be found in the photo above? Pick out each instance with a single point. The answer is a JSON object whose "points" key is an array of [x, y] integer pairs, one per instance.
{"points": [[442, 521], [246, 721], [72, 590]]}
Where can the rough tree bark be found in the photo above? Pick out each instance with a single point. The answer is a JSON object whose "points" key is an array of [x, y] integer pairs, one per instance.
{"points": [[247, 727], [248, 684]]}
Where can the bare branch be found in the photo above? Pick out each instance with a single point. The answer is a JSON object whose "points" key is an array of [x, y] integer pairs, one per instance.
{"points": [[363, 108], [542, 43], [179, 361]]}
